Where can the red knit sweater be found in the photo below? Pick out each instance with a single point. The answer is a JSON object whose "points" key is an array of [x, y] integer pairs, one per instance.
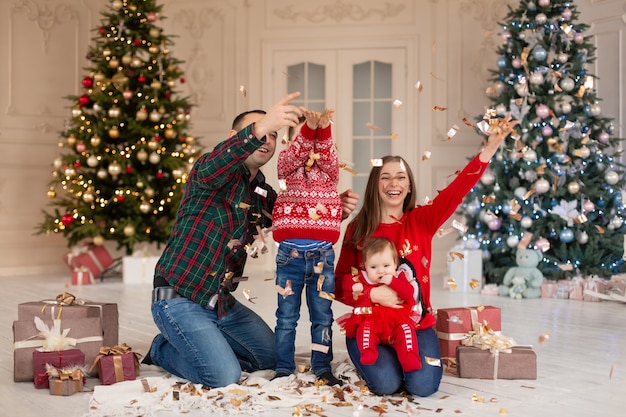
{"points": [[413, 235], [309, 206]]}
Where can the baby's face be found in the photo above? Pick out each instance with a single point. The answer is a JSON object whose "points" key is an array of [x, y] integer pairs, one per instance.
{"points": [[380, 264]]}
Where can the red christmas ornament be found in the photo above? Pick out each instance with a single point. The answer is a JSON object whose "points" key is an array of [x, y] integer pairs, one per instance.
{"points": [[101, 30], [77, 164], [137, 42], [129, 170], [159, 174], [141, 79], [157, 138], [182, 80], [120, 198], [87, 82], [151, 16], [84, 100], [167, 95], [67, 219]]}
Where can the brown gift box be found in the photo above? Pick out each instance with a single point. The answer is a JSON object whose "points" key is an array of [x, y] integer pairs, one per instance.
{"points": [[69, 386], [51, 309], [453, 325], [87, 331], [473, 362], [118, 368]]}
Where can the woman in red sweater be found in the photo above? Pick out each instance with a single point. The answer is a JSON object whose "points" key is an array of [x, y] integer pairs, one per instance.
{"points": [[389, 210]]}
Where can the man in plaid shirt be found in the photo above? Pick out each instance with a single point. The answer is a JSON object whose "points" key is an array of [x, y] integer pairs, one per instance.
{"points": [[207, 336]]}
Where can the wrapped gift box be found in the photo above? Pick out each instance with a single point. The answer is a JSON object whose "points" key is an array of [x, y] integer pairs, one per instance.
{"points": [[67, 383], [93, 257], [548, 289], [82, 276], [114, 367], [27, 339], [473, 362], [59, 359], [465, 275], [453, 325], [53, 309], [139, 269], [594, 288]]}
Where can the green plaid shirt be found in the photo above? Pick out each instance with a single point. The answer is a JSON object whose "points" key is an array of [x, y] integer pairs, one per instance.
{"points": [[218, 215]]}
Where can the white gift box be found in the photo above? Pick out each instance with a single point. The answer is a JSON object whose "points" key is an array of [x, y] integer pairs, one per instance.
{"points": [[465, 275], [139, 269]]}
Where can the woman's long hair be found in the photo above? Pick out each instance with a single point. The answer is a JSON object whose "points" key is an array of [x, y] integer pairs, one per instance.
{"points": [[368, 218]]}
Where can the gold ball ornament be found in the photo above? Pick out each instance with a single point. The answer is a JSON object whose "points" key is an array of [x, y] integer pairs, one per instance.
{"points": [[77, 112], [98, 240], [136, 62], [114, 132], [170, 133], [95, 140], [145, 207], [162, 109], [149, 192], [140, 184], [154, 32], [573, 187], [58, 163], [155, 116], [70, 172], [114, 169], [96, 107], [114, 112], [52, 193], [142, 114], [154, 158], [102, 173], [155, 84], [127, 58], [127, 94], [153, 49], [114, 63], [92, 161], [178, 173], [117, 4], [106, 51], [153, 145], [71, 140], [129, 230], [142, 155], [99, 77], [171, 83], [88, 197]]}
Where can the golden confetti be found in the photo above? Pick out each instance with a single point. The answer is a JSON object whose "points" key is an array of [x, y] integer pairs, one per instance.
{"points": [[543, 337], [372, 126], [480, 308], [525, 240], [243, 90], [502, 411], [246, 293], [285, 292], [419, 86], [474, 283], [452, 131], [313, 215], [426, 155], [282, 185], [376, 162], [452, 284], [454, 254], [327, 295], [439, 108], [243, 206], [611, 371], [397, 104], [489, 199], [321, 208], [600, 229], [318, 268], [320, 282], [394, 136], [566, 267]]}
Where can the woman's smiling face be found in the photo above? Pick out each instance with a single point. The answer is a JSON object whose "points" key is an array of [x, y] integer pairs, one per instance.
{"points": [[393, 184]]}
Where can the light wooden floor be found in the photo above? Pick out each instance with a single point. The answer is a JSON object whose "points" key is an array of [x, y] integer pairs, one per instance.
{"points": [[581, 367]]}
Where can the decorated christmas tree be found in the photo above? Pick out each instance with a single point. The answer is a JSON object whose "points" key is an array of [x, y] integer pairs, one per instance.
{"points": [[556, 185], [126, 152]]}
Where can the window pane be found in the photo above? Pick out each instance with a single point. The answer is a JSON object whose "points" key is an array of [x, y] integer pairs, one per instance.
{"points": [[361, 82], [361, 155], [382, 80], [382, 117], [358, 185], [295, 80], [382, 147], [316, 82], [360, 116]]}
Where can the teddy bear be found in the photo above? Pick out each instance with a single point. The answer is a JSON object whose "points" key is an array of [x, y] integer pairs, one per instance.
{"points": [[525, 279]]}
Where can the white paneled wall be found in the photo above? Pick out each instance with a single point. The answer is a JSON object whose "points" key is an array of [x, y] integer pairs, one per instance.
{"points": [[448, 45]]}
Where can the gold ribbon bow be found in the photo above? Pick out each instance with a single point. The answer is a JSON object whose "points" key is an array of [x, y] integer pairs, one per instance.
{"points": [[67, 374], [117, 351], [66, 299]]}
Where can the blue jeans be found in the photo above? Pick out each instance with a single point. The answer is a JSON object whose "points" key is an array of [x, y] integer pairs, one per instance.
{"points": [[194, 344], [298, 266], [386, 377]]}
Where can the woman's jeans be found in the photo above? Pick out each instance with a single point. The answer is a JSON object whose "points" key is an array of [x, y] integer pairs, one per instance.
{"points": [[302, 268], [194, 344], [386, 376]]}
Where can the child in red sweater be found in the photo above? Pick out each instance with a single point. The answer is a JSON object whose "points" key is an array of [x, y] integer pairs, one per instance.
{"points": [[306, 222], [374, 324]]}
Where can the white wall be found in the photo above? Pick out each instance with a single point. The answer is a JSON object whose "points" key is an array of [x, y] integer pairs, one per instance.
{"points": [[449, 46]]}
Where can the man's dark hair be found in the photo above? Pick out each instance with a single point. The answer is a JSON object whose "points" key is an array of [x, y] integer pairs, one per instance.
{"points": [[237, 121]]}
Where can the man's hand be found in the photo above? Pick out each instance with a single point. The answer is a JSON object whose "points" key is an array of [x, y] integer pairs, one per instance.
{"points": [[349, 200], [385, 296], [278, 116]]}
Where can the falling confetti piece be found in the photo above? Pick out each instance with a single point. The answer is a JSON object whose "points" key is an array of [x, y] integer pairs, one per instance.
{"points": [[439, 108], [480, 308], [376, 162], [397, 104], [318, 268], [372, 126], [282, 185], [243, 90], [320, 282], [327, 295], [543, 337], [452, 131], [474, 283], [244, 205], [502, 411], [611, 371], [246, 293], [435, 77], [452, 284], [456, 254], [285, 292], [395, 136], [419, 86], [426, 155], [468, 123]]}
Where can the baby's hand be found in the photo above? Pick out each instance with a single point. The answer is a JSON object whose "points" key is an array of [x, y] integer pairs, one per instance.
{"points": [[386, 279], [325, 118], [312, 118], [358, 287]]}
